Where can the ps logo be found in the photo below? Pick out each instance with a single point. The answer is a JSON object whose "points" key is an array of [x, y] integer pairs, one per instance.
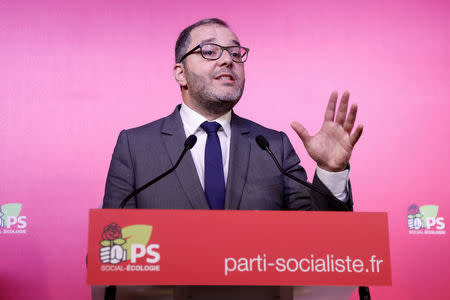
{"points": [[139, 251], [438, 222], [21, 222]]}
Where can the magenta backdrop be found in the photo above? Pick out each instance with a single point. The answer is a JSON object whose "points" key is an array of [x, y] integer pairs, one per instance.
{"points": [[74, 73]]}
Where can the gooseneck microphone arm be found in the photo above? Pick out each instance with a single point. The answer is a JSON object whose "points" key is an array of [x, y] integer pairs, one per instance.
{"points": [[364, 293], [188, 144], [110, 291], [264, 145]]}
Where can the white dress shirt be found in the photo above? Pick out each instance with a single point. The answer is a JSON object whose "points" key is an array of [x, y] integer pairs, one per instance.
{"points": [[336, 182]]}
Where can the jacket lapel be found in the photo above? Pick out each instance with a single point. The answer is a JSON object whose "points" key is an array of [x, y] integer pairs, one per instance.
{"points": [[239, 159], [173, 135]]}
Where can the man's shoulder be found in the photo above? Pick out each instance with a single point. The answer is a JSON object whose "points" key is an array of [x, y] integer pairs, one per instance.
{"points": [[154, 127], [255, 128], [277, 139]]}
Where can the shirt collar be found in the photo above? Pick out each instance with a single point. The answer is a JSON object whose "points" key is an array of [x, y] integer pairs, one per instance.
{"points": [[192, 120]]}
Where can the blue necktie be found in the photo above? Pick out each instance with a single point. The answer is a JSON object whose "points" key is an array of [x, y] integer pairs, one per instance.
{"points": [[214, 178]]}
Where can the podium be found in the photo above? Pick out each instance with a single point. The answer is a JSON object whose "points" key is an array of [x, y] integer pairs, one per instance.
{"points": [[203, 254], [227, 293]]}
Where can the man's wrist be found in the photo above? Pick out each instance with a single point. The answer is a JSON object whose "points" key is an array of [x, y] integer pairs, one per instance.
{"points": [[336, 182], [328, 169]]}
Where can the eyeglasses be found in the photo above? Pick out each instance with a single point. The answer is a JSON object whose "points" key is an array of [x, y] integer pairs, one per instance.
{"points": [[211, 51]]}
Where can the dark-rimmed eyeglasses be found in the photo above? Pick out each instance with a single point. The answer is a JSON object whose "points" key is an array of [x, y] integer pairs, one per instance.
{"points": [[212, 51]]}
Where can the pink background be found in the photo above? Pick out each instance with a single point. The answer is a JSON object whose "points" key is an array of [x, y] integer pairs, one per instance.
{"points": [[74, 73]]}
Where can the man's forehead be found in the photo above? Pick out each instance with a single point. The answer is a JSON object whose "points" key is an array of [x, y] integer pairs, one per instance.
{"points": [[213, 33]]}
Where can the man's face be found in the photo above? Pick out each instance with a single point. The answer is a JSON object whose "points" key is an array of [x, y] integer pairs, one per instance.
{"points": [[213, 85]]}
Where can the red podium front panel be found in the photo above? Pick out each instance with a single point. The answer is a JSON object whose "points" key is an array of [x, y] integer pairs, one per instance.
{"points": [[203, 247]]}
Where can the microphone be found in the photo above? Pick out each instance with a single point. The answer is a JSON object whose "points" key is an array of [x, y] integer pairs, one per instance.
{"points": [[264, 145], [262, 142], [189, 143]]}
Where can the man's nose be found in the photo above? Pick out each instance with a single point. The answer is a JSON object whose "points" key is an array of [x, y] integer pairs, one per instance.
{"points": [[225, 59]]}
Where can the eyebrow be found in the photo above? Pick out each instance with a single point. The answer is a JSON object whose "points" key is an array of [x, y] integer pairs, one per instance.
{"points": [[214, 39]]}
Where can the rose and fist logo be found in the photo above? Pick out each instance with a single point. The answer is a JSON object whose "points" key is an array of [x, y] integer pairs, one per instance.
{"points": [[415, 220], [116, 241], [112, 250], [424, 217]]}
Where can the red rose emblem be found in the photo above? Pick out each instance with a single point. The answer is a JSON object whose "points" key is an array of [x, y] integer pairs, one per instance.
{"points": [[413, 209], [112, 232]]}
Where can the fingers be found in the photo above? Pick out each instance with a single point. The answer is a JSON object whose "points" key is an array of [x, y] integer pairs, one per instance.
{"points": [[342, 109], [301, 132], [356, 135], [331, 107], [105, 254], [350, 120]]}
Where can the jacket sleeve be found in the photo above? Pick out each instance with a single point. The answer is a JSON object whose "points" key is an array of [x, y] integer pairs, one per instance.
{"points": [[299, 197], [120, 181]]}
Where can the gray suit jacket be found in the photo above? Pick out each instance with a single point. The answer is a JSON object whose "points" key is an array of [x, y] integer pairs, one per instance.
{"points": [[253, 183]]}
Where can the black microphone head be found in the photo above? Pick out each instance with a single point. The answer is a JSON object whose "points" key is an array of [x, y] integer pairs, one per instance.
{"points": [[190, 142], [262, 142]]}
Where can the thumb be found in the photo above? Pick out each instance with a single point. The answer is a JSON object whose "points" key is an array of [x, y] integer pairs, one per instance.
{"points": [[301, 132]]}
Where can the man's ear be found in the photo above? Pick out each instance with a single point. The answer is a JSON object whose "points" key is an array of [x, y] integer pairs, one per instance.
{"points": [[178, 73]]}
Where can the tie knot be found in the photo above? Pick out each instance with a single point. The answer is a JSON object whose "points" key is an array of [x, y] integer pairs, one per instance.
{"points": [[210, 127]]}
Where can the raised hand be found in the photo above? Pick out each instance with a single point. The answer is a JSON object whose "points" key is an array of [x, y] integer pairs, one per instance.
{"points": [[331, 148]]}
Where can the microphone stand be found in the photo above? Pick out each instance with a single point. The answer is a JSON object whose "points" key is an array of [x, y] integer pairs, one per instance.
{"points": [[364, 293], [110, 291]]}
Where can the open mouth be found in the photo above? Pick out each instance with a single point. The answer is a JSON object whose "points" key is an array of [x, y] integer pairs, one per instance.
{"points": [[225, 77]]}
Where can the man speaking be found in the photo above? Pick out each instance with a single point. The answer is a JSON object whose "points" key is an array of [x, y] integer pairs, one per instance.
{"points": [[226, 169]]}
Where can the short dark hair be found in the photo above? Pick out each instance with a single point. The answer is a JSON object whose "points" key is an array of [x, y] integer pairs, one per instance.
{"points": [[184, 39]]}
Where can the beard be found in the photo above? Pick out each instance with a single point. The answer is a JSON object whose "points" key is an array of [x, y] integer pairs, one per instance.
{"points": [[211, 98]]}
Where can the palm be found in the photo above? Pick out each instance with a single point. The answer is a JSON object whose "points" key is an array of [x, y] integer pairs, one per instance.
{"points": [[332, 146]]}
